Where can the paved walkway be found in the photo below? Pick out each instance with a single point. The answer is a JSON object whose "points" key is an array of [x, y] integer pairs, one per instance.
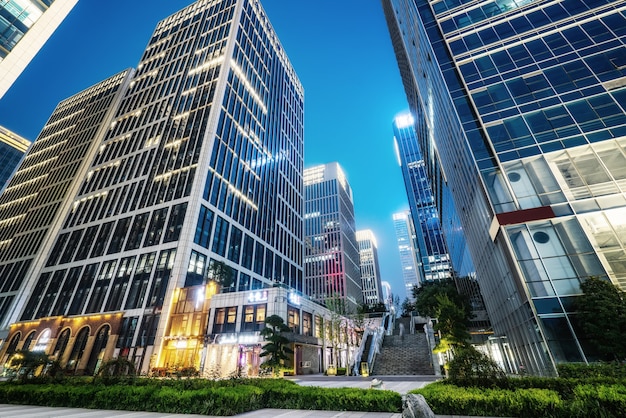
{"points": [[400, 384]]}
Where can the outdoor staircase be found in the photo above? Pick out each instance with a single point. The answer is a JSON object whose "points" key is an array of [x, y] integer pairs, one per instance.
{"points": [[406, 354]]}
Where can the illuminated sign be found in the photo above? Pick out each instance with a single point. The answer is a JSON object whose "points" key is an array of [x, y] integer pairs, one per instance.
{"points": [[294, 299], [238, 339], [260, 296]]}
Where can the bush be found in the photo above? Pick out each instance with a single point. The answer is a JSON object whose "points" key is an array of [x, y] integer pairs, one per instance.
{"points": [[594, 370], [471, 367], [199, 396], [557, 398]]}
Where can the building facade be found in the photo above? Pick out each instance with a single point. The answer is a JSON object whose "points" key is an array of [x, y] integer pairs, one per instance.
{"points": [[524, 107], [331, 263], [407, 247], [12, 150], [431, 247], [195, 189], [370, 267], [25, 25]]}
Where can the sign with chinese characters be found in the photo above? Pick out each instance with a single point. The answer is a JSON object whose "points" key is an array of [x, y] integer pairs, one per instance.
{"points": [[259, 296]]}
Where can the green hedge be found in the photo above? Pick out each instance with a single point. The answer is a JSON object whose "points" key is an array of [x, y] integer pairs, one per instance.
{"points": [[561, 398], [199, 396], [593, 370]]}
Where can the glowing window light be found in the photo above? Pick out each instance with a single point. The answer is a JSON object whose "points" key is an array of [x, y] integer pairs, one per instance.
{"points": [[242, 77], [209, 64]]}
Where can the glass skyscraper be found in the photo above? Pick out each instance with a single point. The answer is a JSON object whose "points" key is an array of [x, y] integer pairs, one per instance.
{"points": [[25, 25], [434, 261], [12, 150], [370, 267], [524, 103], [407, 247], [332, 264], [194, 186]]}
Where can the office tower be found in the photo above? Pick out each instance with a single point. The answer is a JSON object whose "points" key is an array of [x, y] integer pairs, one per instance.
{"points": [[431, 246], [370, 268], [41, 192], [25, 25], [195, 188], [524, 105], [411, 269], [12, 150], [331, 263]]}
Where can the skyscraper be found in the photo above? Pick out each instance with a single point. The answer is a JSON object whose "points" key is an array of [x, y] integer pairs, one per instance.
{"points": [[411, 270], [370, 268], [331, 263], [434, 261], [195, 187], [25, 25], [12, 150], [524, 108]]}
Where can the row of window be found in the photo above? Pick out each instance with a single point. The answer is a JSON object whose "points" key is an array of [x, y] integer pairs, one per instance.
{"points": [[101, 287]]}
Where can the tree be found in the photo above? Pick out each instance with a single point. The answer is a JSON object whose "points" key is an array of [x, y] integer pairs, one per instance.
{"points": [[602, 317], [25, 364], [452, 322], [276, 348], [426, 302], [407, 307]]}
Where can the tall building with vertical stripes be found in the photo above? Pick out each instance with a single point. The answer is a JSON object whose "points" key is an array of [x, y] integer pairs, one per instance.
{"points": [[370, 267], [434, 260], [332, 263], [412, 273], [12, 150], [188, 186], [25, 26], [524, 108]]}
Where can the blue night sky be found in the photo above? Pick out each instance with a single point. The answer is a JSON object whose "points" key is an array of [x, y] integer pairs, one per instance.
{"points": [[341, 51]]}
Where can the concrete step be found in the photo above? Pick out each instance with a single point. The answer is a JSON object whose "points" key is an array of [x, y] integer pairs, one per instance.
{"points": [[408, 354]]}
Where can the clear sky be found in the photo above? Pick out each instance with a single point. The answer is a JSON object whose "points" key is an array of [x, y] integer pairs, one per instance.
{"points": [[340, 49]]}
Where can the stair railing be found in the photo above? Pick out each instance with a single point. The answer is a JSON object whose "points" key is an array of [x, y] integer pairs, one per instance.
{"points": [[359, 353], [378, 338]]}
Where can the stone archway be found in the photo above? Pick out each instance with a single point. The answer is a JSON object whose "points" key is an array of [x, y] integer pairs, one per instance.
{"points": [[98, 350]]}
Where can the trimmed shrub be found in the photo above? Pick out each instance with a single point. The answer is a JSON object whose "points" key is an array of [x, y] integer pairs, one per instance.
{"points": [[470, 367], [594, 370]]}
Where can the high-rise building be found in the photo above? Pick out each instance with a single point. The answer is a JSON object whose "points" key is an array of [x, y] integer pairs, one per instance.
{"points": [[523, 105], [407, 246], [331, 263], [370, 268], [25, 25], [194, 187], [431, 246], [12, 150]]}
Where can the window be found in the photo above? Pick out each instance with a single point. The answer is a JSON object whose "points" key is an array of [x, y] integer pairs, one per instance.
{"points": [[220, 236], [307, 324], [175, 224], [253, 318], [225, 320], [293, 319]]}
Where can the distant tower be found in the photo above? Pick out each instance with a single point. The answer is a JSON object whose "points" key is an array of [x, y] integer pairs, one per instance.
{"points": [[12, 149], [434, 261], [332, 255], [370, 268], [194, 187], [25, 26], [411, 269]]}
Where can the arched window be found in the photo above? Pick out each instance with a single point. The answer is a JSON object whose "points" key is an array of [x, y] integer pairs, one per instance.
{"points": [[12, 347], [43, 341], [28, 341], [61, 345], [79, 348], [97, 352]]}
